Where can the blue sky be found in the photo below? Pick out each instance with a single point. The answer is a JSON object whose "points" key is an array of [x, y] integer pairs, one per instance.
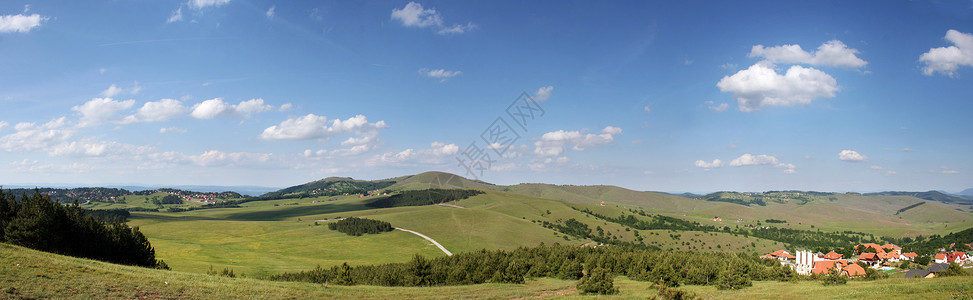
{"points": [[695, 96]]}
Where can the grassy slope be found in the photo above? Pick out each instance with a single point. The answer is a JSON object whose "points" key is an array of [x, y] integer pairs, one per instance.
{"points": [[33, 274], [261, 238], [869, 214]]}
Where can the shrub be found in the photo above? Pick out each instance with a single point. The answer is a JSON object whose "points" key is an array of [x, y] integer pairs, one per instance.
{"points": [[598, 281]]}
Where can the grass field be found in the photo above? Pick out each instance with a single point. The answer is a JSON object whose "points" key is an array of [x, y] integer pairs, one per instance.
{"points": [[267, 237], [31, 274]]}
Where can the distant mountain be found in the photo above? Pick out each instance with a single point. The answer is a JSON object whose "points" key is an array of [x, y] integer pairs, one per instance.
{"points": [[930, 195], [967, 192]]}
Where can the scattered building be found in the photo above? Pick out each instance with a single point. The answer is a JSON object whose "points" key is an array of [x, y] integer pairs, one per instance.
{"points": [[927, 273], [781, 255]]}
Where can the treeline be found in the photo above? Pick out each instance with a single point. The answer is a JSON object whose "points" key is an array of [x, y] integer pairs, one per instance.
{"points": [[726, 271], [423, 197], [793, 237], [39, 223], [909, 207], [358, 226], [115, 215], [931, 244]]}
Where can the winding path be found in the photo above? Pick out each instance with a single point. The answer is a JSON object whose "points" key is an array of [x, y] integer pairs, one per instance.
{"points": [[428, 239]]}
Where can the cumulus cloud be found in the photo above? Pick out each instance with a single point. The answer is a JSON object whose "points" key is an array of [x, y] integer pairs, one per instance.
{"points": [[946, 60], [831, 53], [440, 74], [156, 111], [252, 106], [20, 22], [210, 109], [543, 93], [215, 107], [285, 107], [760, 86], [553, 143], [30, 137], [414, 15], [100, 110], [437, 153], [716, 163], [851, 156], [312, 126], [748, 159]]}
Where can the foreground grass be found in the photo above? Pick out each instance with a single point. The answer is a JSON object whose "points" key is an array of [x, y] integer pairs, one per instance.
{"points": [[897, 287], [32, 274]]}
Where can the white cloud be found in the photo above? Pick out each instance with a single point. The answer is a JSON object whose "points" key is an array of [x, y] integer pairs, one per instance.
{"points": [[831, 53], [437, 153], [252, 106], [30, 137], [762, 159], [20, 22], [908, 150], [457, 29], [553, 143], [414, 15], [313, 126], [440, 74], [199, 4], [543, 93], [748, 159], [215, 107], [3, 125], [760, 86], [210, 109], [890, 173], [176, 16], [271, 12], [157, 111], [876, 167], [946, 60], [716, 163], [100, 110], [753, 160], [852, 156], [172, 129], [285, 107], [111, 91], [720, 108]]}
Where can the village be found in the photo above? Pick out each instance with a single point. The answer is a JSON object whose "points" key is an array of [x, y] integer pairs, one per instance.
{"points": [[886, 258]]}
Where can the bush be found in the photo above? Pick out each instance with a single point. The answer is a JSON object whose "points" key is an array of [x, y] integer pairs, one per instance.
{"points": [[598, 281], [733, 279], [834, 278]]}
